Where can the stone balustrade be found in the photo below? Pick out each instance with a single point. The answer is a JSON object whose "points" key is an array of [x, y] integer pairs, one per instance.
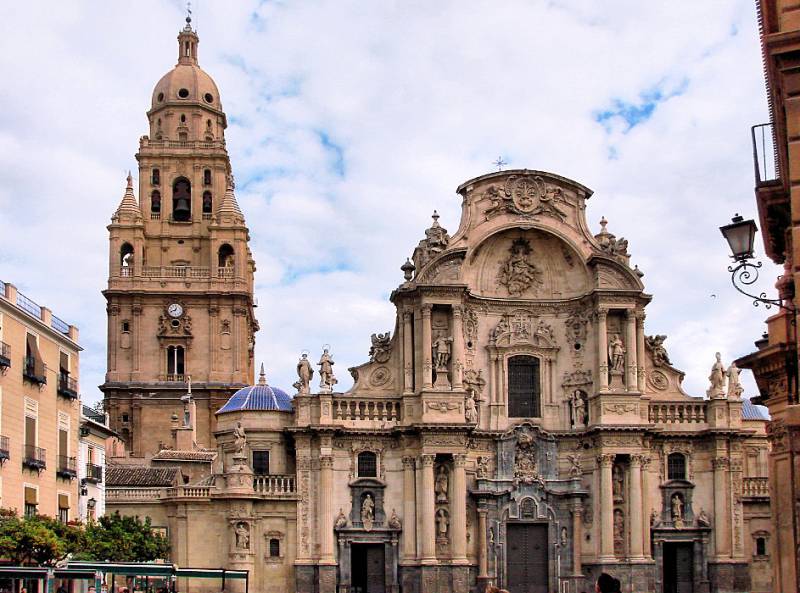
{"points": [[274, 485], [678, 413], [189, 492], [365, 409], [133, 494], [755, 487]]}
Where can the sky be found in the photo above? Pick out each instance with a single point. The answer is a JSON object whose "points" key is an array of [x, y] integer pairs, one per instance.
{"points": [[350, 122]]}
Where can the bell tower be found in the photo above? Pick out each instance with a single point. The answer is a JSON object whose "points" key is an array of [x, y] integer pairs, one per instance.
{"points": [[180, 287]]}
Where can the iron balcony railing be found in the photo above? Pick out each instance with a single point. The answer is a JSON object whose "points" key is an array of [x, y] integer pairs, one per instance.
{"points": [[59, 325], [28, 306], [34, 370], [765, 154], [5, 355], [94, 473], [67, 386], [35, 457], [98, 417], [67, 467], [5, 448]]}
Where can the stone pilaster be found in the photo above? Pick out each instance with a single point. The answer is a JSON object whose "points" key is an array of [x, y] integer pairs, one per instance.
{"points": [[483, 552], [636, 518], [458, 510], [326, 535], [606, 518], [640, 351], [631, 381], [427, 523], [427, 363], [602, 350], [648, 553], [408, 353], [722, 537], [457, 363], [409, 511], [577, 536]]}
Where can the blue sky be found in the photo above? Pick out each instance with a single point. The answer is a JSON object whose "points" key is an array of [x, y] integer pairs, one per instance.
{"points": [[350, 122]]}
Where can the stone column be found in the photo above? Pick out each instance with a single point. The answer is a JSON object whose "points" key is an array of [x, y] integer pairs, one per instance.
{"points": [[635, 515], [722, 534], [427, 363], [640, 354], [409, 510], [602, 350], [631, 382], [458, 510], [457, 362], [483, 553], [408, 353], [646, 509], [427, 523], [577, 536], [326, 535], [605, 462]]}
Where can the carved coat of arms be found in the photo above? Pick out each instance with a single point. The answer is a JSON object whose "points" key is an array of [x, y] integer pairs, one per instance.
{"points": [[526, 195], [526, 467], [518, 273]]}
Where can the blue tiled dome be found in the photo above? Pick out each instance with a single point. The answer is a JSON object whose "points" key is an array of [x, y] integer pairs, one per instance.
{"points": [[258, 397]]}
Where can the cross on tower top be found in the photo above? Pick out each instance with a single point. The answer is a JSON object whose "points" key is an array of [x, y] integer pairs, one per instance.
{"points": [[499, 163]]}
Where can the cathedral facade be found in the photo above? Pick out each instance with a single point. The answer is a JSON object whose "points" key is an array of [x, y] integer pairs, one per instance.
{"points": [[517, 427]]}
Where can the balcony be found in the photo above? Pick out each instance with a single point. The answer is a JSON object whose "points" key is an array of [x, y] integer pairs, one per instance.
{"points": [[274, 485], [765, 154], [5, 356], [5, 449], [67, 467], [35, 458], [94, 473], [67, 386], [34, 370], [755, 487], [175, 378]]}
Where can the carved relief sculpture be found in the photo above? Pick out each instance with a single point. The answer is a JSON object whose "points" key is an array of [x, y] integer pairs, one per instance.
{"points": [[435, 242], [475, 382], [703, 520], [304, 372], [483, 467], [394, 521], [441, 485], [656, 345], [518, 273], [575, 470], [525, 459], [326, 378], [380, 351], [341, 520], [526, 195], [368, 512]]}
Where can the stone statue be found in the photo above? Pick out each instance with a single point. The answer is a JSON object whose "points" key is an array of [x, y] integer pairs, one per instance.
{"points": [[475, 382], [491, 536], [656, 345], [341, 521], [470, 409], [326, 378], [655, 521], [240, 438], [483, 467], [619, 483], [616, 354], [575, 470], [368, 512], [717, 378], [442, 523], [441, 352], [578, 408], [394, 521], [619, 533], [242, 536], [305, 372], [441, 485], [518, 273], [127, 260], [563, 537], [703, 520], [677, 510], [735, 388], [381, 349]]}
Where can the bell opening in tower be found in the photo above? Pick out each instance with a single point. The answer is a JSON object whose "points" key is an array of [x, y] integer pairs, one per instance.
{"points": [[182, 200]]}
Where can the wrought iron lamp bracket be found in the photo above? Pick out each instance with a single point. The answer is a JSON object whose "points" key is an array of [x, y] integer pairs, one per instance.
{"points": [[746, 273]]}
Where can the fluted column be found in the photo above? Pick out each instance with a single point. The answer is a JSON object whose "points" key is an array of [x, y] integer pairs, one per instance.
{"points": [[483, 553], [427, 364], [722, 538], [632, 381], [408, 353], [427, 523], [458, 510], [577, 536], [602, 350], [326, 534], [635, 522], [457, 364], [409, 510], [607, 508], [640, 355]]}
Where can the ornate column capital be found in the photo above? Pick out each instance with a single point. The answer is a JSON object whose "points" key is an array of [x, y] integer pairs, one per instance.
{"points": [[720, 463], [408, 462], [601, 314], [426, 460], [636, 460], [426, 309], [606, 459], [630, 314], [457, 310], [459, 460], [640, 317], [326, 462], [407, 314]]}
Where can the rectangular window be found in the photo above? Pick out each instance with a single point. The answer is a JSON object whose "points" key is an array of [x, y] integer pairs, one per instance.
{"points": [[31, 501], [30, 431], [155, 178], [34, 367], [63, 363], [63, 508], [274, 547], [261, 462], [175, 360], [524, 390]]}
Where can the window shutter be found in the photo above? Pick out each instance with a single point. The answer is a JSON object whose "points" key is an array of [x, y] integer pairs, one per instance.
{"points": [[31, 496], [63, 501]]}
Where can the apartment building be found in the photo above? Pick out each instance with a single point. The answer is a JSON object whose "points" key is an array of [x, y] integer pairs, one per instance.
{"points": [[39, 408], [94, 433]]}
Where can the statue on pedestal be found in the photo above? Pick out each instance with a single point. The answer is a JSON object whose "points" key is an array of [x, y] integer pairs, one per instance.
{"points": [[368, 512], [242, 536], [717, 379], [616, 354], [470, 409], [442, 523], [441, 352], [240, 439], [326, 378], [735, 389], [304, 372], [677, 511], [441, 485]]}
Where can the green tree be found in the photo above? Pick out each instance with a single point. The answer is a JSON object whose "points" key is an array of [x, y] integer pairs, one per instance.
{"points": [[29, 541], [124, 539]]}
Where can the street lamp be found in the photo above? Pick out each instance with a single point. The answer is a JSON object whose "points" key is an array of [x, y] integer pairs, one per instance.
{"points": [[740, 235]]}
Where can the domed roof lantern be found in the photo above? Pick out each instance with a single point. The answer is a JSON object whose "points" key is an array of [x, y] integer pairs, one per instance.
{"points": [[187, 42]]}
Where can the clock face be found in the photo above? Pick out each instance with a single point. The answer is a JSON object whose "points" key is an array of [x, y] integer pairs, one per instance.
{"points": [[175, 310]]}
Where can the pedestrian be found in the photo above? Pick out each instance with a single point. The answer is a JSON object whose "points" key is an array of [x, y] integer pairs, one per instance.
{"points": [[606, 584]]}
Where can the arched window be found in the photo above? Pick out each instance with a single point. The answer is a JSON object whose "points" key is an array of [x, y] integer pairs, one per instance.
{"points": [[207, 175], [182, 200], [155, 176], [676, 466], [274, 547], [524, 390], [367, 465], [126, 255], [226, 259], [155, 201], [208, 202], [175, 363]]}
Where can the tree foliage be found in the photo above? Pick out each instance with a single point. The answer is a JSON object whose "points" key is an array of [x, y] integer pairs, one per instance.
{"points": [[44, 541]]}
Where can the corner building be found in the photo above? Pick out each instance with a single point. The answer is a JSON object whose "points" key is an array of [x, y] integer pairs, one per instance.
{"points": [[517, 427]]}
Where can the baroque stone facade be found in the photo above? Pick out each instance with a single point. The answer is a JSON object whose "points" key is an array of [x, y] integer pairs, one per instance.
{"points": [[516, 428]]}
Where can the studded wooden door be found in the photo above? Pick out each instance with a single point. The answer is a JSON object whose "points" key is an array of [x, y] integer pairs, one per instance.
{"points": [[526, 553]]}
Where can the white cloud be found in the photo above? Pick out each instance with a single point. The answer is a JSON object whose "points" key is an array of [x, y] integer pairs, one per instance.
{"points": [[418, 97]]}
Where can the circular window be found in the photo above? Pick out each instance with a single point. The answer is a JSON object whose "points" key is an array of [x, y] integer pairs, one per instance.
{"points": [[175, 323], [160, 97], [209, 98], [180, 241], [183, 93]]}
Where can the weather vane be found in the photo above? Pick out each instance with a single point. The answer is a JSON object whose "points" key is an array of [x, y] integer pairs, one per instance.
{"points": [[188, 12], [499, 163]]}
